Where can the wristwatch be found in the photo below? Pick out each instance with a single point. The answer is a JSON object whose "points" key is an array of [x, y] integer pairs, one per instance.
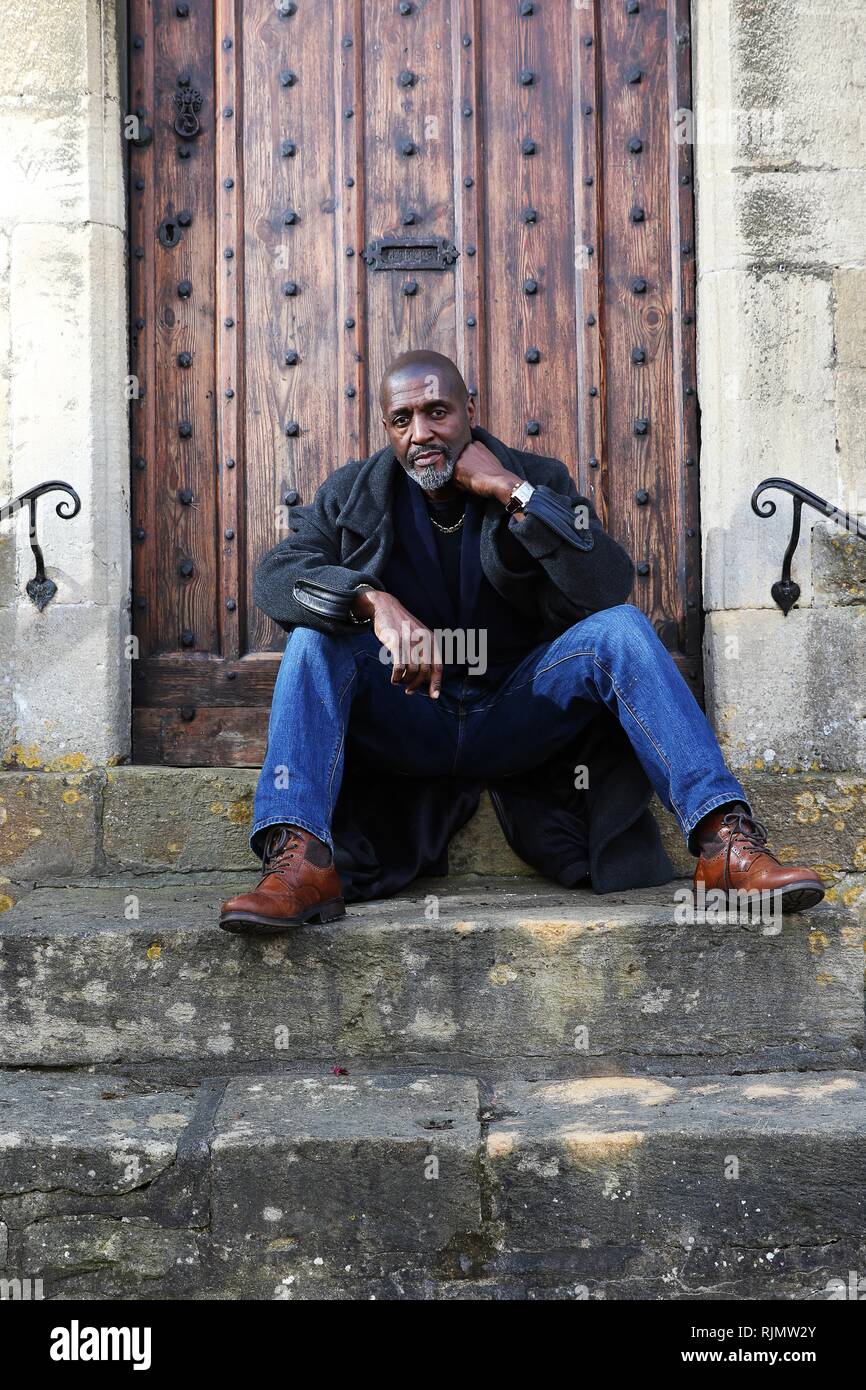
{"points": [[520, 495]]}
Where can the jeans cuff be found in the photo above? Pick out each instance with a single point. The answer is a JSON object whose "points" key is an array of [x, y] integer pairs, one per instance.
{"points": [[287, 819], [705, 810]]}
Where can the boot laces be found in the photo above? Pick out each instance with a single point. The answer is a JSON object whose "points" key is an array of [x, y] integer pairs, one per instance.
{"points": [[748, 834], [279, 851]]}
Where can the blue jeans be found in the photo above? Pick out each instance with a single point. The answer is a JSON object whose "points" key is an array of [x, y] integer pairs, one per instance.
{"points": [[330, 688]]}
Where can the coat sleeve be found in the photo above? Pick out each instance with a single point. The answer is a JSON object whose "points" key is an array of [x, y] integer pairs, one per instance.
{"points": [[587, 567], [310, 552]]}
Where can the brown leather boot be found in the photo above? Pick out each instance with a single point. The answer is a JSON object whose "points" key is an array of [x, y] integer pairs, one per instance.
{"points": [[738, 858], [300, 884]]}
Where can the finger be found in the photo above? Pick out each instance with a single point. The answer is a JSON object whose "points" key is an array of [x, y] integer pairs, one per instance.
{"points": [[435, 680], [420, 677]]}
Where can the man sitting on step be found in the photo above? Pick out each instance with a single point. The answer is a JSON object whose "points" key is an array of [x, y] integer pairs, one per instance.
{"points": [[457, 619]]}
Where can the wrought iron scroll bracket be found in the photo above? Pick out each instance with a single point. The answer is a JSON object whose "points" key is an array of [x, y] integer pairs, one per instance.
{"points": [[40, 589], [785, 591]]}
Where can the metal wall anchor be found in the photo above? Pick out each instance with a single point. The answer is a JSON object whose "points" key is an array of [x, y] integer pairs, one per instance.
{"points": [[41, 589], [785, 591]]}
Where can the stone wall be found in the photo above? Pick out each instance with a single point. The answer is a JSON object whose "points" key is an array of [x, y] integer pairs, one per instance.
{"points": [[781, 202], [64, 687]]}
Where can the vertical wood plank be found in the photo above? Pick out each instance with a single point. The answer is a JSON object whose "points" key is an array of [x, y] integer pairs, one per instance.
{"points": [[529, 213], [588, 178], [231, 460], [471, 346], [408, 195], [350, 308], [291, 324], [182, 398], [682, 235], [142, 204]]}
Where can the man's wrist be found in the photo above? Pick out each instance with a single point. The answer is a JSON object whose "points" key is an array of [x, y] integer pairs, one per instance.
{"points": [[364, 604], [505, 486]]}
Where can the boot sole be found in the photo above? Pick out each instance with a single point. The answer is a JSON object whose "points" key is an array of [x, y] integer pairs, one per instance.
{"points": [[799, 897], [794, 897], [241, 922]]}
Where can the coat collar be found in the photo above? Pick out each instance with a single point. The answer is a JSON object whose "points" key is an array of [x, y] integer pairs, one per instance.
{"points": [[371, 492]]}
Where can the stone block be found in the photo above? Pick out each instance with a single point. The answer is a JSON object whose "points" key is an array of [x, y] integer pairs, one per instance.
{"points": [[49, 824], [347, 1163], [768, 695]]}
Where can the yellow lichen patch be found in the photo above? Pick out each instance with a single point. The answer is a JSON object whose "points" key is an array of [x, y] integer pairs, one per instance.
{"points": [[154, 952], [240, 812], [594, 1146], [759, 765], [808, 813], [6, 902], [69, 762], [499, 1143], [501, 975], [465, 927], [828, 871], [553, 934], [851, 896], [823, 978], [17, 755], [590, 1089], [284, 1243], [860, 855], [70, 797], [216, 808], [817, 941]]}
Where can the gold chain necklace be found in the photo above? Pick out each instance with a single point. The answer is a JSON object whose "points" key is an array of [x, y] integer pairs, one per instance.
{"points": [[449, 530]]}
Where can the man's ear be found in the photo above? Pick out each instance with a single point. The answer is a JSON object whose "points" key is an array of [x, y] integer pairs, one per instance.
{"points": [[470, 409]]}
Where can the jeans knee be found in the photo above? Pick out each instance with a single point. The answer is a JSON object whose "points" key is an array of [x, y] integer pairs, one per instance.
{"points": [[621, 627], [626, 613], [308, 641], [307, 648], [619, 618]]}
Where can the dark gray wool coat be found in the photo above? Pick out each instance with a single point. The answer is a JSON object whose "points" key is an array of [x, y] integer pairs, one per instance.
{"points": [[605, 831]]}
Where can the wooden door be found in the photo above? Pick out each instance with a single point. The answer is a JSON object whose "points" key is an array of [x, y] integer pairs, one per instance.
{"points": [[317, 186]]}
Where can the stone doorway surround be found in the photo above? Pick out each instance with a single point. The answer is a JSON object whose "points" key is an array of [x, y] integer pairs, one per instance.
{"points": [[782, 384]]}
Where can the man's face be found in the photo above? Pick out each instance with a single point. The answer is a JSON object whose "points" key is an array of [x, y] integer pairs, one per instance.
{"points": [[427, 427]]}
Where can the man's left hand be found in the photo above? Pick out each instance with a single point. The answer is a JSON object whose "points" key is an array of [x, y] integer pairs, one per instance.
{"points": [[478, 470]]}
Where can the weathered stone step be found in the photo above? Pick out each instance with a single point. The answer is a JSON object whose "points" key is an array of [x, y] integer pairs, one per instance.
{"points": [[506, 970], [308, 1185]]}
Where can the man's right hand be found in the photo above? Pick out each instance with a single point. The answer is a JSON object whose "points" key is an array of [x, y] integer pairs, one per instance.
{"points": [[414, 651]]}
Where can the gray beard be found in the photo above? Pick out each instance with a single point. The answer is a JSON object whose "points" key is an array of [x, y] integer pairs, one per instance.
{"points": [[433, 477]]}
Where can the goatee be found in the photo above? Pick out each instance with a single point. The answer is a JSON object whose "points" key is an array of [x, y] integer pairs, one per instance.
{"points": [[434, 476]]}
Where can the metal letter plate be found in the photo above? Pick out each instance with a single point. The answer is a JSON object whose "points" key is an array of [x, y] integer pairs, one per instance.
{"points": [[388, 253]]}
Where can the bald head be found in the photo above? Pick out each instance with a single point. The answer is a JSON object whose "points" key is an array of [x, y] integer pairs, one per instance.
{"points": [[435, 372]]}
